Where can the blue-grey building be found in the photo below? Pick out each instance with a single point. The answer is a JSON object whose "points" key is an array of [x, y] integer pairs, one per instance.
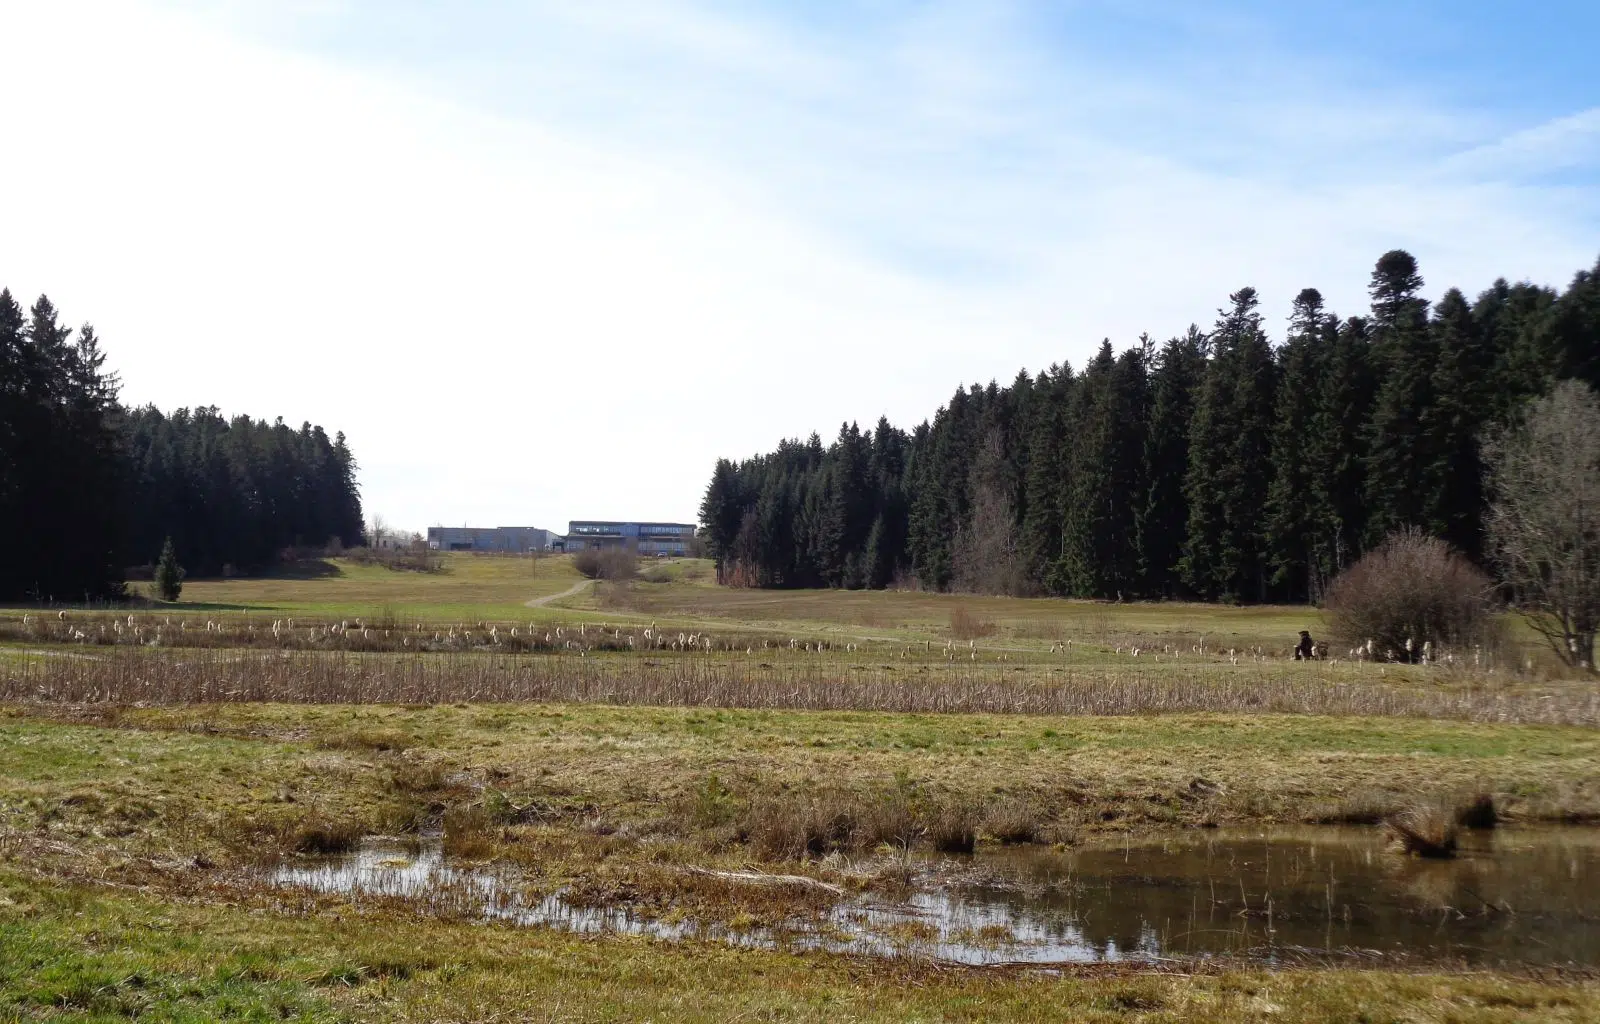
{"points": [[646, 538], [519, 540]]}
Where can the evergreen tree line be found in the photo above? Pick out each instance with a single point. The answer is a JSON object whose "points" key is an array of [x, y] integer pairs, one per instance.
{"points": [[88, 487], [1217, 465]]}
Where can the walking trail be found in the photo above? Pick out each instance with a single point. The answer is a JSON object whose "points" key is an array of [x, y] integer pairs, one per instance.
{"points": [[572, 591]]}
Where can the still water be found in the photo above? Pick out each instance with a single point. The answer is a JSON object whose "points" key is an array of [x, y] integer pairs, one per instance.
{"points": [[1513, 896]]}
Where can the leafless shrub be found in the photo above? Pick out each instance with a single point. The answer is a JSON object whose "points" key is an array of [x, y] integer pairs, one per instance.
{"points": [[412, 559], [611, 563], [1411, 591]]}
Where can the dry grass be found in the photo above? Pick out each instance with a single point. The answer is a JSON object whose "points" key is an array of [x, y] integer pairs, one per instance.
{"points": [[966, 626], [796, 825], [1478, 812], [1013, 820], [367, 739], [167, 677], [953, 828], [1425, 829]]}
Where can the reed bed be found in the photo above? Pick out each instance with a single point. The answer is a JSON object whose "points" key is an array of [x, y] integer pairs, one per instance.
{"points": [[167, 677]]}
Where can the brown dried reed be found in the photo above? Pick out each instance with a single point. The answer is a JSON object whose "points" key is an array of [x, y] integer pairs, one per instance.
{"points": [[122, 676]]}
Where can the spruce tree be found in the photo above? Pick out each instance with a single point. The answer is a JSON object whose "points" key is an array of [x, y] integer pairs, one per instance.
{"points": [[1336, 454], [1402, 468], [1047, 478], [1291, 500], [1083, 568], [1099, 546], [1230, 459], [1571, 329], [169, 574], [1463, 389], [722, 510], [1179, 369]]}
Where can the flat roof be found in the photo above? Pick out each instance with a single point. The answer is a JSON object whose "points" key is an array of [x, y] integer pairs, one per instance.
{"points": [[623, 522]]}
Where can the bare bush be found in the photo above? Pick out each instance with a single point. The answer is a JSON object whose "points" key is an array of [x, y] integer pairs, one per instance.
{"points": [[616, 563], [413, 559], [1412, 591]]}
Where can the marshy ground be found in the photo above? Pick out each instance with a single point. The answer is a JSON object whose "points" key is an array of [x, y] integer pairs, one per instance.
{"points": [[149, 792]]}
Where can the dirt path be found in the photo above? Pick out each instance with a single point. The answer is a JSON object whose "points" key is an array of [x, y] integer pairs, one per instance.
{"points": [[572, 591]]}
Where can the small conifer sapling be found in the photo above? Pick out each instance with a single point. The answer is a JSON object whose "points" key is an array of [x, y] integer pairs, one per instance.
{"points": [[169, 574]]}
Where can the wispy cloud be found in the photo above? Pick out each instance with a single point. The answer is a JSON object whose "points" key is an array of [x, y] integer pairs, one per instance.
{"points": [[1562, 144]]}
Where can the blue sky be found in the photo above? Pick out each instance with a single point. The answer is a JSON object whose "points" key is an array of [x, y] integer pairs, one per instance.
{"points": [[474, 235]]}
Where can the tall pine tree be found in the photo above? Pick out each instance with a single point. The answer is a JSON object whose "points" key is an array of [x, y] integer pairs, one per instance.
{"points": [[1230, 465], [1164, 520], [1291, 524], [1402, 465]]}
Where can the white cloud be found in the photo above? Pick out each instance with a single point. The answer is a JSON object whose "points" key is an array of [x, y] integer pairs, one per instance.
{"points": [[1560, 144], [558, 284]]}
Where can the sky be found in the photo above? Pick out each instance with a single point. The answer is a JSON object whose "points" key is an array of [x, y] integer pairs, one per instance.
{"points": [[549, 261]]}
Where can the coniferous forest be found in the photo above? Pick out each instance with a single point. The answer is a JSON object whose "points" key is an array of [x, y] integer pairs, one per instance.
{"points": [[88, 487], [1219, 464]]}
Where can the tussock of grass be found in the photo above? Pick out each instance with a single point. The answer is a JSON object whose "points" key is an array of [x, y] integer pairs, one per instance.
{"points": [[953, 828], [367, 739], [318, 833], [469, 832], [1478, 812], [1426, 829], [1013, 820], [1364, 807], [793, 826]]}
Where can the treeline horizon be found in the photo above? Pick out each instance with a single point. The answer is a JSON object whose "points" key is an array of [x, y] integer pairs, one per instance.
{"points": [[89, 488], [1216, 465]]}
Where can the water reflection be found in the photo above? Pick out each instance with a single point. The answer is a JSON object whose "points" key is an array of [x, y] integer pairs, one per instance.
{"points": [[1519, 896], [1513, 896]]}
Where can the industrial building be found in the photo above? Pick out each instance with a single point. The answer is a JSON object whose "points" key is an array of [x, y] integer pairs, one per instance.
{"points": [[519, 540], [646, 538]]}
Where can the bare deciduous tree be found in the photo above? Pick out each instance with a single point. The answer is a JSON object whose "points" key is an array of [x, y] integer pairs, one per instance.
{"points": [[987, 552], [1544, 519]]}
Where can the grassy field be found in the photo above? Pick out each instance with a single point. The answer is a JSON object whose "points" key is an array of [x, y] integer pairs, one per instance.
{"points": [[469, 588], [143, 787], [683, 593]]}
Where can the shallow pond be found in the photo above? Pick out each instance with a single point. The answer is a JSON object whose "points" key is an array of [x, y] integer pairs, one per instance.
{"points": [[1525, 896]]}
